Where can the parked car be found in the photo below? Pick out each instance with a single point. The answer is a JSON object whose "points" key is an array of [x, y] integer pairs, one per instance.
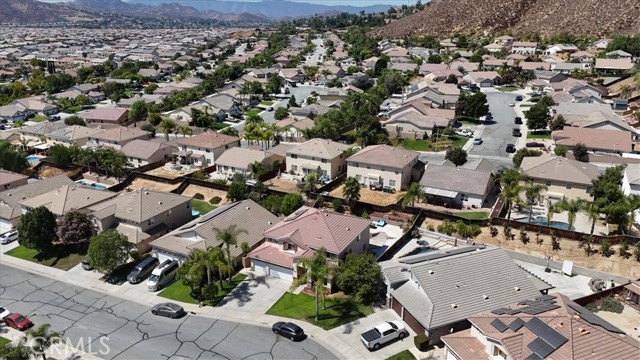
{"points": [[518, 120], [8, 237], [512, 104], [162, 275], [519, 98], [477, 141], [376, 187], [464, 132], [142, 270], [169, 310], [86, 264], [511, 148], [489, 115], [289, 330], [382, 334], [18, 322], [4, 312], [516, 132], [270, 108], [535, 144]]}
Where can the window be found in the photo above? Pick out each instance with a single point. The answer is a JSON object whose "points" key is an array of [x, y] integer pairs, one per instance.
{"points": [[294, 167], [324, 161], [208, 161], [208, 150], [169, 212], [356, 164], [498, 352], [568, 186], [188, 205], [294, 156], [548, 183], [392, 183], [464, 197]]}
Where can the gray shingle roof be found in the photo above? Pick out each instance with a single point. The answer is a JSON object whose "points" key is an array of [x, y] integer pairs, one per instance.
{"points": [[456, 179], [9, 208], [559, 169], [59, 201], [141, 205]]}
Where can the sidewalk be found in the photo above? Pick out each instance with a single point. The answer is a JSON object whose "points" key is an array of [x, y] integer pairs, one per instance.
{"points": [[337, 346]]}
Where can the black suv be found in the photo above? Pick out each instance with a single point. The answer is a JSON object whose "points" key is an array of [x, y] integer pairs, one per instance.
{"points": [[511, 148], [516, 133], [518, 120]]}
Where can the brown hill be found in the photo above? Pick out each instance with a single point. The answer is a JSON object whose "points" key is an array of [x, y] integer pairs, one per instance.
{"points": [[31, 11], [584, 17]]}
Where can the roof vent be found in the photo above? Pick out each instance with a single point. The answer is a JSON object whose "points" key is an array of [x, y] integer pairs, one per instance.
{"points": [[486, 297], [431, 272], [248, 208], [454, 306], [348, 229], [269, 222], [87, 198], [160, 202], [516, 288], [146, 193]]}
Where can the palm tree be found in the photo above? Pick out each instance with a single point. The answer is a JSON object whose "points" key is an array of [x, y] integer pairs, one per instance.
{"points": [[414, 192], [551, 210], [510, 193], [17, 351], [312, 181], [256, 169], [202, 257], [167, 126], [231, 131], [532, 192], [318, 270], [351, 190], [573, 207], [219, 261], [23, 143], [185, 130], [41, 339], [228, 237], [593, 213]]}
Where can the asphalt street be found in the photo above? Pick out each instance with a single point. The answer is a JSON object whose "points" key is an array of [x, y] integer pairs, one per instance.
{"points": [[497, 135], [113, 328], [318, 54]]}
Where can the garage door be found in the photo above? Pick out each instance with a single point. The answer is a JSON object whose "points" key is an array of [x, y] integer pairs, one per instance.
{"points": [[163, 256], [5, 226], [395, 305], [413, 323], [274, 271]]}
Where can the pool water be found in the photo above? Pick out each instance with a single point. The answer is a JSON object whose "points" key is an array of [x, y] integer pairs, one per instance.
{"points": [[541, 220], [195, 213], [92, 185], [33, 158]]}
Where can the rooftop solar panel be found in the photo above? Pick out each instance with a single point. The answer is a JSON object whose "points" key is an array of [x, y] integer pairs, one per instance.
{"points": [[593, 319], [533, 356], [498, 324], [516, 324], [541, 348], [544, 331]]}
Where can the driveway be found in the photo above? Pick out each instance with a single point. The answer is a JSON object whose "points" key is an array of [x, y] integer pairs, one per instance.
{"points": [[256, 294], [350, 333], [496, 136]]}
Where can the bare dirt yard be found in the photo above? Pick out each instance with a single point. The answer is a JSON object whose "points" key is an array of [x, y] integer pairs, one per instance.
{"points": [[284, 185], [148, 184], [168, 174], [208, 193], [46, 172], [372, 197]]}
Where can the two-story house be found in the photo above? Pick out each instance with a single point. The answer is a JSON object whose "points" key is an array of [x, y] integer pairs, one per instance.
{"points": [[142, 215], [11, 180], [385, 165], [65, 198], [144, 152], [524, 47], [111, 116], [324, 157], [117, 137], [304, 232], [237, 160], [204, 149], [72, 135]]}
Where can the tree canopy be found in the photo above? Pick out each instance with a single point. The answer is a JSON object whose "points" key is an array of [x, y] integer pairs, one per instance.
{"points": [[359, 275], [37, 229], [456, 156], [11, 159], [74, 226], [108, 250]]}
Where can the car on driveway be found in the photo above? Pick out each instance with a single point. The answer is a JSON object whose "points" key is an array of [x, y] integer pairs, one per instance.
{"points": [[4, 313], [511, 148], [8, 237], [382, 334], [18, 322], [169, 310], [518, 120], [477, 141], [535, 144], [289, 330], [519, 98], [516, 132], [464, 132]]}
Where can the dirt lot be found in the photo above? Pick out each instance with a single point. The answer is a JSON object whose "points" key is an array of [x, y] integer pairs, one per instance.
{"points": [[282, 185], [168, 174], [208, 193], [371, 197], [148, 184], [46, 172]]}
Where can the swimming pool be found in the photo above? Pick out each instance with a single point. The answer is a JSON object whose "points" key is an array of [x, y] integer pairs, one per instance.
{"points": [[33, 158], [195, 213], [92, 185], [541, 220]]}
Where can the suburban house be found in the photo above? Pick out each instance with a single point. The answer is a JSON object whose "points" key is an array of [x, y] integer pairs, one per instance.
{"points": [[631, 180], [292, 130], [40, 130], [239, 160], [67, 197], [223, 103], [524, 47], [118, 136], [385, 165], [596, 140], [543, 327], [435, 293], [199, 233], [291, 76], [456, 186], [111, 116], [144, 152], [72, 135], [301, 234], [591, 115], [36, 105], [204, 149], [13, 112], [416, 120], [11, 180], [613, 66], [565, 178], [10, 209], [482, 78], [321, 156], [561, 48], [142, 215]]}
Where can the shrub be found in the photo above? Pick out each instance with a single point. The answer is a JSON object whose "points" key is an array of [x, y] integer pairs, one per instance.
{"points": [[447, 227], [421, 341], [609, 303], [135, 255], [430, 227], [200, 175], [198, 196], [209, 291], [337, 205], [215, 200]]}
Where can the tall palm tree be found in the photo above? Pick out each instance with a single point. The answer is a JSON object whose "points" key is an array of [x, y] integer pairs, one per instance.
{"points": [[203, 257], [593, 213], [40, 339], [17, 351], [532, 192], [510, 193], [185, 130], [351, 190], [318, 270], [167, 126], [228, 237], [551, 210], [219, 261], [414, 193], [572, 207]]}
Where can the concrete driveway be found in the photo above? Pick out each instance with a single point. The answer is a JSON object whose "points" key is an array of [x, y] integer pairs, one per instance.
{"points": [[350, 333], [256, 294]]}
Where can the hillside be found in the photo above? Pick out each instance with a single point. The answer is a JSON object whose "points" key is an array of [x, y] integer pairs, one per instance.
{"points": [[585, 17], [31, 11]]}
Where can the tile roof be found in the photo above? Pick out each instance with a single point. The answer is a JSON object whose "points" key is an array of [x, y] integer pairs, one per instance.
{"points": [[74, 132], [42, 128], [141, 204], [105, 114], [314, 229], [241, 157], [594, 139], [9, 177], [143, 149], [9, 208], [556, 168], [320, 148], [466, 346], [616, 64], [455, 179], [68, 197], [121, 133], [384, 155], [273, 253], [208, 140]]}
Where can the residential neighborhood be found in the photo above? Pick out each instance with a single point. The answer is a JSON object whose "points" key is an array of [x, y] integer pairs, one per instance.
{"points": [[474, 195]]}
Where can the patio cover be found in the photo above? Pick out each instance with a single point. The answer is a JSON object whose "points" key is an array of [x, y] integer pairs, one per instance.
{"points": [[442, 193]]}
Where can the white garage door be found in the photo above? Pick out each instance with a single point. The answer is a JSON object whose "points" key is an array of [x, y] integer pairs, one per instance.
{"points": [[163, 256], [5, 226], [274, 271]]}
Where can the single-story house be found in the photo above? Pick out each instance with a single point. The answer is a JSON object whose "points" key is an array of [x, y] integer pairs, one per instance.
{"points": [[597, 140], [67, 197], [238, 160], [141, 152], [456, 186], [114, 116], [482, 78], [11, 180]]}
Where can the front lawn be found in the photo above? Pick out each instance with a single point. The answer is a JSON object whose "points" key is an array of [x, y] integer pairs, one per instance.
{"points": [[417, 145], [38, 119], [180, 292], [538, 135], [443, 143], [302, 307], [219, 126], [4, 342], [253, 112], [266, 103], [403, 355], [201, 206], [466, 120], [507, 88], [473, 215], [62, 257]]}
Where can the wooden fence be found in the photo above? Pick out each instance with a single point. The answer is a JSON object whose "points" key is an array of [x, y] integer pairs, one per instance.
{"points": [[405, 238]]}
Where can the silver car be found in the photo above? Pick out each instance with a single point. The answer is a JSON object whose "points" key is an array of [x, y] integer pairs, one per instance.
{"points": [[169, 310], [8, 237]]}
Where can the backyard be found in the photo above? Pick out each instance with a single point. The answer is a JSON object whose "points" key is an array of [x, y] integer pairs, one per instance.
{"points": [[201, 206], [371, 196], [180, 292], [473, 215], [302, 307], [62, 257]]}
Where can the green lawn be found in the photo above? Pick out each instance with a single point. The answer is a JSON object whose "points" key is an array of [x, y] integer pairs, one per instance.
{"points": [[403, 355], [219, 126], [202, 206], [427, 145], [302, 307], [38, 118], [473, 215], [61, 257], [507, 88], [266, 103], [179, 292], [533, 135], [4, 342], [253, 112], [467, 120]]}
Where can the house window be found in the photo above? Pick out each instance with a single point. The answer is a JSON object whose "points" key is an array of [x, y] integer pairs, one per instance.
{"points": [[464, 197], [294, 156], [392, 183], [208, 161], [568, 186], [188, 205], [294, 167], [498, 352], [324, 161], [169, 212], [356, 164], [208, 150], [548, 183]]}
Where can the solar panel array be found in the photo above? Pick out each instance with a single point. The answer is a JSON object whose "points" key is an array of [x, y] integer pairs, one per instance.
{"points": [[539, 305], [593, 319], [441, 254], [548, 341], [516, 324], [498, 324]]}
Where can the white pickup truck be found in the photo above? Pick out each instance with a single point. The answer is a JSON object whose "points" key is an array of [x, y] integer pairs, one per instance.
{"points": [[382, 334]]}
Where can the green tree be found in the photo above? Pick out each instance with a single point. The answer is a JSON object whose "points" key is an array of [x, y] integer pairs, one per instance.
{"points": [[14, 351], [108, 250], [558, 123], [82, 100], [185, 130], [522, 153], [532, 192], [11, 159], [74, 120], [167, 126], [60, 154], [580, 152], [150, 128], [456, 156], [237, 191], [281, 113], [290, 203], [40, 339], [150, 88], [229, 236], [292, 101], [572, 207], [191, 273], [538, 116], [37, 229], [475, 105], [138, 111], [414, 193], [359, 275], [154, 118], [74, 227], [560, 150], [351, 190], [592, 211], [319, 269]]}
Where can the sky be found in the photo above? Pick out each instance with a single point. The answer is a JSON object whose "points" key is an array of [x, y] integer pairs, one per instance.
{"points": [[325, 2]]}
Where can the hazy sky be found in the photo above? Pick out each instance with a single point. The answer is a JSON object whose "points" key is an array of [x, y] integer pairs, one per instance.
{"points": [[327, 2]]}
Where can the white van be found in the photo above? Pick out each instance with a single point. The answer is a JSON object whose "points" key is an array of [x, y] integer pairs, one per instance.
{"points": [[162, 275]]}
